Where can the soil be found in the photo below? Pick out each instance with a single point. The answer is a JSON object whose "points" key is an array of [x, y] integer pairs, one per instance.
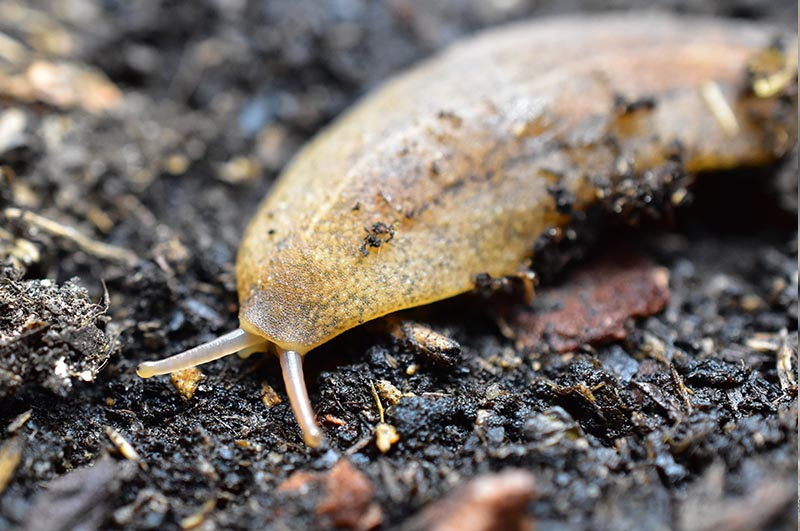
{"points": [[136, 140]]}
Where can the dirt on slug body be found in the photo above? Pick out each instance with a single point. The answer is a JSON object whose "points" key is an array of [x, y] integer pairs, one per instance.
{"points": [[135, 142]]}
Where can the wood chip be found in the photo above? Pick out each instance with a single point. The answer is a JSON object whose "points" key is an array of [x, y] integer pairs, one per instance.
{"points": [[62, 84], [434, 348], [10, 456], [269, 397], [125, 448], [239, 170], [19, 421], [720, 108], [385, 436], [186, 381], [785, 373], [389, 392], [12, 129], [190, 522]]}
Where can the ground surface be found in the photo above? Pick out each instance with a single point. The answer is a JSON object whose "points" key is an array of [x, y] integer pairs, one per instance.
{"points": [[687, 419]]}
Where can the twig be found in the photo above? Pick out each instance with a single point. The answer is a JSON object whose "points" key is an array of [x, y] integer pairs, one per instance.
{"points": [[93, 247]]}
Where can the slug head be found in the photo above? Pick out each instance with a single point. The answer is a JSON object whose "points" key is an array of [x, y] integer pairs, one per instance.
{"points": [[239, 339]]}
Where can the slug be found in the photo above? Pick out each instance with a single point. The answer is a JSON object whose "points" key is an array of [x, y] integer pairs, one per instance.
{"points": [[445, 172]]}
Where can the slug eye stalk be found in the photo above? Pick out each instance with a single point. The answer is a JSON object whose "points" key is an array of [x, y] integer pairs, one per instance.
{"points": [[220, 347], [232, 342], [292, 368]]}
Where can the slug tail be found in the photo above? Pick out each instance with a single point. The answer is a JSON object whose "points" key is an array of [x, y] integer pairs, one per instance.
{"points": [[292, 367], [222, 346]]}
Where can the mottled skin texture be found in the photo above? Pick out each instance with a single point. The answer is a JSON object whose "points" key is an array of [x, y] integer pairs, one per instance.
{"points": [[457, 154]]}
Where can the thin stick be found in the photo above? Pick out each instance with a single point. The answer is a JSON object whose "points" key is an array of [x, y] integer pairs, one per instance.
{"points": [[93, 247]]}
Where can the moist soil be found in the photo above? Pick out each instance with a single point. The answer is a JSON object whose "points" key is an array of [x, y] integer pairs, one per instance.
{"points": [[136, 140]]}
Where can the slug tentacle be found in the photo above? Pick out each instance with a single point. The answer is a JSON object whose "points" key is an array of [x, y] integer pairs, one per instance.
{"points": [[292, 367], [229, 343]]}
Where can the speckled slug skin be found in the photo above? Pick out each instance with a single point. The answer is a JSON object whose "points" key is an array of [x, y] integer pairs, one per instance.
{"points": [[443, 172]]}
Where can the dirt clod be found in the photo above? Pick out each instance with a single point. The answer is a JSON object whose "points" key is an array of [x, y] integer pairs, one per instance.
{"points": [[52, 336]]}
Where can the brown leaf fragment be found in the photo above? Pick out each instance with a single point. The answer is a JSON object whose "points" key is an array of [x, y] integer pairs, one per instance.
{"points": [[348, 499], [348, 502], [664, 400], [592, 305], [493, 502], [300, 481]]}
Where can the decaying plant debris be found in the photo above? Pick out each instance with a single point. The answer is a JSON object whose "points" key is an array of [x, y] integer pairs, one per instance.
{"points": [[687, 419], [52, 335]]}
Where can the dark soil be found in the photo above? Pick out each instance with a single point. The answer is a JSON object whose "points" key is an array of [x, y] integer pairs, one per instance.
{"points": [[118, 234]]}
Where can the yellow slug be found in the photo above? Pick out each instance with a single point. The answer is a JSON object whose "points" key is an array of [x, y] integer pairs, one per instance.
{"points": [[443, 172]]}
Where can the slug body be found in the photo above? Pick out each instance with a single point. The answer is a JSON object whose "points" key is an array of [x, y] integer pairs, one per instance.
{"points": [[443, 172]]}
